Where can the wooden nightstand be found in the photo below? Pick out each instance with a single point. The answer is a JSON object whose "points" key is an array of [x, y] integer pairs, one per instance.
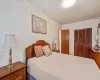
{"points": [[96, 57], [55, 50], [18, 73]]}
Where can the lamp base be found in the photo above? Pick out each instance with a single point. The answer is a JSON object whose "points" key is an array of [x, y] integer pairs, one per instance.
{"points": [[10, 67]]}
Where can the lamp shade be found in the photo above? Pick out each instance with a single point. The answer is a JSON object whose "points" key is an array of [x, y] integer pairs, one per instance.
{"points": [[10, 41]]}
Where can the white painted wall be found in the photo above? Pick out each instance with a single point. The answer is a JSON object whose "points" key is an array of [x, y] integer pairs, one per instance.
{"points": [[15, 18], [80, 25]]}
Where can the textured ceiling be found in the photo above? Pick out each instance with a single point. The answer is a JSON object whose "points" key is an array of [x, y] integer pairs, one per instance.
{"points": [[82, 10]]}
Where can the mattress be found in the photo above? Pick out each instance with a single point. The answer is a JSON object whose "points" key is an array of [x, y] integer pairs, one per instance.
{"points": [[63, 67]]}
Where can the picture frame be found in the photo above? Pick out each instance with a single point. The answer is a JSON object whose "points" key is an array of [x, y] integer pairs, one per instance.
{"points": [[39, 25]]}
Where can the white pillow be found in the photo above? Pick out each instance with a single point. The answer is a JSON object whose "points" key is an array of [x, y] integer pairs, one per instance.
{"points": [[46, 50]]}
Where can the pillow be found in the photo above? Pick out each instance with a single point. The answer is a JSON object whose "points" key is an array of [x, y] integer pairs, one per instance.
{"points": [[38, 51], [47, 51]]}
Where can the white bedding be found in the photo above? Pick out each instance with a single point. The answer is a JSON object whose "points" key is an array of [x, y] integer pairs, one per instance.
{"points": [[63, 67]]}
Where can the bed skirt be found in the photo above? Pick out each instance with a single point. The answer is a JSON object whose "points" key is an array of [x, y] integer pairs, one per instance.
{"points": [[30, 77]]}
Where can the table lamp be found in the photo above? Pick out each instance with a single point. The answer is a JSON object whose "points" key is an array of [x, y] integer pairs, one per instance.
{"points": [[97, 47], [9, 43], [55, 44]]}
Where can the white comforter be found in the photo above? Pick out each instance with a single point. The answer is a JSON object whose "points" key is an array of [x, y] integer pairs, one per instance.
{"points": [[63, 67]]}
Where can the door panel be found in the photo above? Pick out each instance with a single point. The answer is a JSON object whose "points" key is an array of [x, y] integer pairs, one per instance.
{"points": [[65, 41], [80, 42], [76, 44]]}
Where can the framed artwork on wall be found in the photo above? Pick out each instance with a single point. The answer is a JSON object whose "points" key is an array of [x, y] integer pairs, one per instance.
{"points": [[39, 25]]}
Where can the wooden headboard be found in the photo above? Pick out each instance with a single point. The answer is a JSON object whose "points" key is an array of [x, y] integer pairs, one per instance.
{"points": [[30, 49]]}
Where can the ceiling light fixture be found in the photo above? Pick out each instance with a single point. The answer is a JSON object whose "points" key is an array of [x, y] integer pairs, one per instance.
{"points": [[68, 3]]}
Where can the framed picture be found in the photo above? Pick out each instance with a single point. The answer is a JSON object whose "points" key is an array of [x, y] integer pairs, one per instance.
{"points": [[39, 25]]}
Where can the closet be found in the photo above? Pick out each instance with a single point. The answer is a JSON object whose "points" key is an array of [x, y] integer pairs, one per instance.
{"points": [[83, 42]]}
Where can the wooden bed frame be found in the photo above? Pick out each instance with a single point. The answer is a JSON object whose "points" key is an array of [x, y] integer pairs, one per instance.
{"points": [[30, 49]]}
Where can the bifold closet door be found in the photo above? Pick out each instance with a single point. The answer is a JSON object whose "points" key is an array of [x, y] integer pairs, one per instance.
{"points": [[89, 42], [80, 43], [85, 45], [76, 44], [65, 41], [83, 42]]}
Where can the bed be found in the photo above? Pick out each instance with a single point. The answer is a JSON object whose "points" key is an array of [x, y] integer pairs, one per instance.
{"points": [[59, 66]]}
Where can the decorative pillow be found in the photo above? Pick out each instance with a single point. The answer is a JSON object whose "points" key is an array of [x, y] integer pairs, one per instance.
{"points": [[47, 51], [38, 51]]}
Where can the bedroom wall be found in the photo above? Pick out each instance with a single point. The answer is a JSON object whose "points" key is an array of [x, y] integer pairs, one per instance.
{"points": [[15, 18], [80, 25]]}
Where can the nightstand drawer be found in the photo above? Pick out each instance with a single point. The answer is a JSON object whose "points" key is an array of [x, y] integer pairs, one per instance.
{"points": [[8, 78], [19, 75], [96, 57]]}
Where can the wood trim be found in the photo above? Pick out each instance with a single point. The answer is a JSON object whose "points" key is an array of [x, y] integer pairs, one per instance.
{"points": [[59, 40]]}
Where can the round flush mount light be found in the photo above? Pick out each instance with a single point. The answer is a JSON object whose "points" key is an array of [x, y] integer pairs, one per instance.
{"points": [[68, 3]]}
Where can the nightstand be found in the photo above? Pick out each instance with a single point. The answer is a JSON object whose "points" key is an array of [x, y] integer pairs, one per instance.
{"points": [[96, 57], [55, 50], [18, 73]]}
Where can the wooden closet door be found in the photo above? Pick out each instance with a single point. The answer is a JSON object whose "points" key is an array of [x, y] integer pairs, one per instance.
{"points": [[76, 44], [84, 43], [89, 42], [65, 41], [80, 43]]}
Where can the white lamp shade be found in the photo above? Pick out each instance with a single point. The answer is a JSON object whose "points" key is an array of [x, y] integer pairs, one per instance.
{"points": [[10, 41]]}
